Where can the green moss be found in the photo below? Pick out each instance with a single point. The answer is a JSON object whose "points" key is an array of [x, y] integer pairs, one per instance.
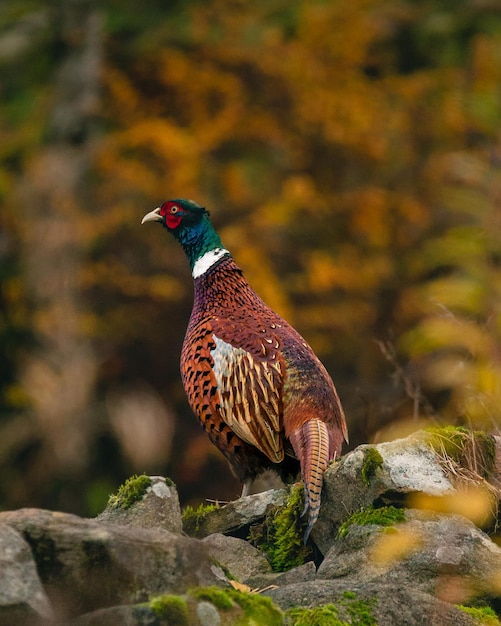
{"points": [[327, 615], [173, 609], [192, 518], [384, 516], [131, 491], [218, 597], [257, 610], [372, 461], [485, 615], [349, 595], [361, 612], [224, 569], [348, 611], [280, 536]]}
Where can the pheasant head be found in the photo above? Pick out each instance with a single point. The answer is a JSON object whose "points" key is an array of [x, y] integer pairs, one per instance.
{"points": [[190, 225]]}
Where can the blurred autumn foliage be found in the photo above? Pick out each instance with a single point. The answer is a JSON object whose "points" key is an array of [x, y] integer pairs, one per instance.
{"points": [[350, 153]]}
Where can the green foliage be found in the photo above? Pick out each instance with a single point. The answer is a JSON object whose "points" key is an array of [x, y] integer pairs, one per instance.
{"points": [[384, 516], [348, 217], [130, 492], [348, 611], [484, 615], [173, 609], [372, 461], [280, 537]]}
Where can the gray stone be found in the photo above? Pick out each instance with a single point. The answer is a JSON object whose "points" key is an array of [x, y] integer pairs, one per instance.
{"points": [[235, 515], [207, 614], [445, 555], [22, 597], [409, 466], [302, 573], [239, 557], [158, 508], [86, 564], [125, 615], [102, 572], [389, 605]]}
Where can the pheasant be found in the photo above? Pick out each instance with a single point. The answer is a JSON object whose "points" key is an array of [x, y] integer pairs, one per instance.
{"points": [[258, 389]]}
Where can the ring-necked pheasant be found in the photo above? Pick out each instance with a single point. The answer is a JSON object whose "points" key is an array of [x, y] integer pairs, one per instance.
{"points": [[258, 389]]}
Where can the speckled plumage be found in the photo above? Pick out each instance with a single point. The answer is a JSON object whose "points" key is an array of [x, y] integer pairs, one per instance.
{"points": [[258, 389]]}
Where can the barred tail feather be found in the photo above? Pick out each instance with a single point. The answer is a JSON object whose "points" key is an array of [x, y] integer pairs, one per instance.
{"points": [[311, 445]]}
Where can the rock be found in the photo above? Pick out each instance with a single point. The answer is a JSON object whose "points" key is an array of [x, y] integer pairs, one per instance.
{"points": [[86, 564], [22, 597], [201, 607], [125, 615], [158, 507], [371, 603], [234, 516], [441, 554], [388, 566], [302, 573], [239, 557], [379, 474]]}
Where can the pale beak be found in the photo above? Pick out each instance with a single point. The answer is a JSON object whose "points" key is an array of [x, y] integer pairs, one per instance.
{"points": [[152, 216]]}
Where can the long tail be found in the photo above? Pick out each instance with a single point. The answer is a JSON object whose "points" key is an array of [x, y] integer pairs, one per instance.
{"points": [[311, 445]]}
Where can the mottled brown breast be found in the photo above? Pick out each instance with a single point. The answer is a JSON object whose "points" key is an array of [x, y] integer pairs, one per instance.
{"points": [[231, 363]]}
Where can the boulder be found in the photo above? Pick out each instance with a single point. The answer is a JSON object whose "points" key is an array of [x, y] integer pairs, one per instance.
{"points": [[235, 517], [369, 563], [397, 472], [375, 604], [86, 564], [22, 597], [445, 555], [238, 557], [156, 507]]}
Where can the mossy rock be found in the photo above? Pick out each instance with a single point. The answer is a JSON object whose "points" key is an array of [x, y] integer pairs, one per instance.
{"points": [[280, 536], [347, 611], [194, 518], [383, 516], [133, 490], [229, 607], [484, 614], [173, 609], [372, 462]]}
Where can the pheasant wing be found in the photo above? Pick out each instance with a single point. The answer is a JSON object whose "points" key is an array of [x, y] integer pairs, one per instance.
{"points": [[249, 372]]}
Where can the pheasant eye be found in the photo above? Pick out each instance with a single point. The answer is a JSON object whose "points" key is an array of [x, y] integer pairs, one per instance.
{"points": [[174, 209]]}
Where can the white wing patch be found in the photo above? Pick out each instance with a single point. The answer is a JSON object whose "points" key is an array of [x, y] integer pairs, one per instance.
{"points": [[249, 396]]}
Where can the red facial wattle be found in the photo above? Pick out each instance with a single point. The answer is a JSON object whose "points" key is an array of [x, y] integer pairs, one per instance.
{"points": [[173, 215], [173, 221]]}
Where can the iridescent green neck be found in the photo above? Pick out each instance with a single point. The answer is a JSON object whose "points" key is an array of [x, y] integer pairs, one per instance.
{"points": [[202, 245]]}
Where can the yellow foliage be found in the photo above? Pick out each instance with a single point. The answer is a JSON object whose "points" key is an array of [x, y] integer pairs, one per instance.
{"points": [[395, 546], [349, 154], [476, 503]]}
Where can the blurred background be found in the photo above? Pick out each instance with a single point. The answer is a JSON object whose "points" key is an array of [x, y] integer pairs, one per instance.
{"points": [[350, 154]]}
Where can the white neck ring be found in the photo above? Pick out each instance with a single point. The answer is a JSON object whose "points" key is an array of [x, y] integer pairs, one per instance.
{"points": [[207, 260]]}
